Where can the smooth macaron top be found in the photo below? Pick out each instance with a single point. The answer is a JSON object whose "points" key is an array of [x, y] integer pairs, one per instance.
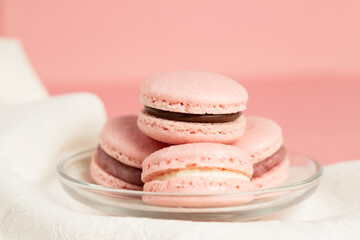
{"points": [[261, 139], [225, 159], [193, 92], [121, 139]]}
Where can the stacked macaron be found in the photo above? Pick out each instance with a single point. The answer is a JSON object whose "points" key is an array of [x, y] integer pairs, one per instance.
{"points": [[190, 106], [263, 140], [121, 151], [197, 168], [191, 137]]}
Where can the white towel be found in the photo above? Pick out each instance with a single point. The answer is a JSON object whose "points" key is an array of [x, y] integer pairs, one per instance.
{"points": [[18, 81], [35, 131]]}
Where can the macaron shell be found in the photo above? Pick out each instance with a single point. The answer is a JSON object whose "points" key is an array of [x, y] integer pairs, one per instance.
{"points": [[261, 139], [193, 92], [274, 177], [105, 179], [121, 139], [198, 185], [196, 155], [176, 132]]}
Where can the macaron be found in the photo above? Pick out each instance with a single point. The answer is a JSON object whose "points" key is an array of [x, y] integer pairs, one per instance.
{"points": [[263, 141], [192, 106], [122, 149], [197, 168]]}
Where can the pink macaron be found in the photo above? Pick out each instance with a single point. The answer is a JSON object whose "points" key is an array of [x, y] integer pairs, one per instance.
{"points": [[197, 168], [122, 149], [263, 140], [192, 106]]}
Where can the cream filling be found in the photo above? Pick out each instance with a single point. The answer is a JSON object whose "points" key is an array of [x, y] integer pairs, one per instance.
{"points": [[216, 173]]}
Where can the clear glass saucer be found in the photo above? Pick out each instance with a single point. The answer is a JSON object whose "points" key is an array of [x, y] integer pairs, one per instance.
{"points": [[73, 172]]}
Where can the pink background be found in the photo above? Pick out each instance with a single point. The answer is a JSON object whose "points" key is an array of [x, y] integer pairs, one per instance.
{"points": [[300, 60]]}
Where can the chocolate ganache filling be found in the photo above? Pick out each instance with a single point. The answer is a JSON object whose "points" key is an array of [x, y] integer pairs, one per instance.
{"points": [[189, 117], [118, 169], [267, 164]]}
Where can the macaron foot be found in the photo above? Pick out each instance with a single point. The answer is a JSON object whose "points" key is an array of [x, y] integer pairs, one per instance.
{"points": [[220, 192]]}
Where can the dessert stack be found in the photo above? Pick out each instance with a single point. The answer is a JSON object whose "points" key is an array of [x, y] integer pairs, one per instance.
{"points": [[191, 137]]}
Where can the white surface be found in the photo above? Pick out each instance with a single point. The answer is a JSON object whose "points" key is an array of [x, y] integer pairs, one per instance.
{"points": [[35, 134]]}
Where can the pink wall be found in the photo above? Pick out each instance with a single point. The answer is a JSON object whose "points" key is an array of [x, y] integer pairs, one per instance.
{"points": [[2, 18], [293, 47], [83, 41]]}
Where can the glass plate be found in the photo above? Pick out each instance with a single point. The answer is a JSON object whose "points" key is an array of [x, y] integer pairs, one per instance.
{"points": [[73, 172]]}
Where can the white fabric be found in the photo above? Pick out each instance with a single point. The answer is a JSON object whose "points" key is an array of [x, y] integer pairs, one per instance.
{"points": [[34, 135], [18, 81]]}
